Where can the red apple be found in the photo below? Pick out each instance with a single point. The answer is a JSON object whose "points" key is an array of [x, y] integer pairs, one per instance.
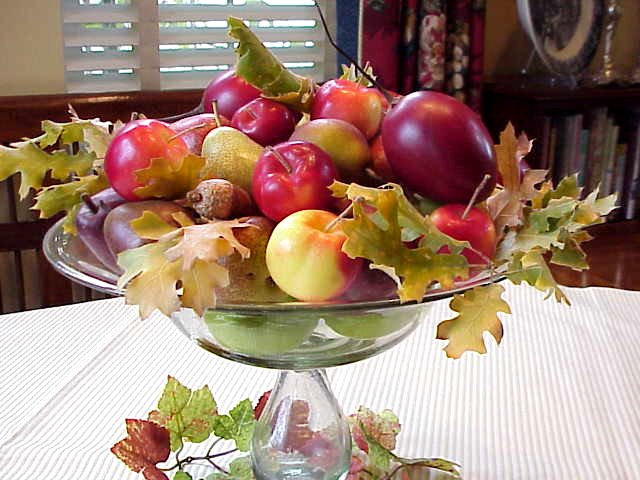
{"points": [[351, 102], [265, 121], [476, 227], [193, 129], [379, 163], [132, 149], [230, 92], [292, 176], [306, 261], [438, 147]]}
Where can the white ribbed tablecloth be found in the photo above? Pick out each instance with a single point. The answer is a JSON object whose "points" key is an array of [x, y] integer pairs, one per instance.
{"points": [[558, 399]]}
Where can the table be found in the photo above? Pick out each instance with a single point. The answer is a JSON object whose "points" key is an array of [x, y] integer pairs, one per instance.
{"points": [[558, 399]]}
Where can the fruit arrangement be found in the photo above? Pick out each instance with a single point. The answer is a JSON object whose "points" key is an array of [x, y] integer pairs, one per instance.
{"points": [[282, 190]]}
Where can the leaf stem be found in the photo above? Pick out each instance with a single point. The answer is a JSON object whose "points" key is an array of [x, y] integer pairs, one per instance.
{"points": [[477, 191], [361, 70]]}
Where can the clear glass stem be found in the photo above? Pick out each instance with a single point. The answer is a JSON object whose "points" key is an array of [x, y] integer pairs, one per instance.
{"points": [[302, 432]]}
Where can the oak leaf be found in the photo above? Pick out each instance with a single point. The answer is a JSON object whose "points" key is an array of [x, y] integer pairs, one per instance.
{"points": [[146, 445], [506, 206], [165, 179], [477, 310], [67, 197], [378, 238]]}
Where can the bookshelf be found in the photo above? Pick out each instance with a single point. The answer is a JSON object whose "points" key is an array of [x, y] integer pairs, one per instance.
{"points": [[592, 131]]}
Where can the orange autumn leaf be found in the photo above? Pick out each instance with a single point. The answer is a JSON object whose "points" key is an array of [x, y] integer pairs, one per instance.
{"points": [[506, 206]]}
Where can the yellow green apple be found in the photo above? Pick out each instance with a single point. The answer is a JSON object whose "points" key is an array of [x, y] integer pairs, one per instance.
{"points": [[345, 144], [305, 258]]}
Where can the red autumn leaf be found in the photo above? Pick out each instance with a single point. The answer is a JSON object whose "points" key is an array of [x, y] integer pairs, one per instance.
{"points": [[146, 445], [262, 402]]}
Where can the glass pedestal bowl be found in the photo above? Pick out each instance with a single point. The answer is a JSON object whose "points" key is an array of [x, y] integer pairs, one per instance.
{"points": [[302, 432]]}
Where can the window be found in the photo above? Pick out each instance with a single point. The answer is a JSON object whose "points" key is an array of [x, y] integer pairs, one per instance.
{"points": [[119, 45]]}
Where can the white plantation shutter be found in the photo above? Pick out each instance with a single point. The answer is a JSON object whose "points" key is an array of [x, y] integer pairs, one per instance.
{"points": [[119, 45]]}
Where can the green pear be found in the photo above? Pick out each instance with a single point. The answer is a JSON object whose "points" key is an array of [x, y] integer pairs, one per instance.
{"points": [[230, 154], [250, 280]]}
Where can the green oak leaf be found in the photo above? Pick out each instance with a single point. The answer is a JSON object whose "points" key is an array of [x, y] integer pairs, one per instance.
{"points": [[258, 66], [34, 164], [415, 269], [567, 187], [571, 253], [477, 310], [67, 197], [413, 223], [180, 475], [531, 267], [238, 425], [541, 220], [188, 415]]}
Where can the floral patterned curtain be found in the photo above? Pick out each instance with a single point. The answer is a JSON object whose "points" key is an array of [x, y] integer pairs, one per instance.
{"points": [[426, 44]]}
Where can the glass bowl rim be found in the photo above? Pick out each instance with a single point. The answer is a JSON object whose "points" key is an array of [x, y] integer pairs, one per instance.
{"points": [[51, 251]]}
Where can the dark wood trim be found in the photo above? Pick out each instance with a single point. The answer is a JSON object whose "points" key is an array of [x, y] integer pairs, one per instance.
{"points": [[20, 116]]}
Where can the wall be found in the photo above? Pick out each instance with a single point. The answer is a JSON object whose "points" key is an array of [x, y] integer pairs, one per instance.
{"points": [[507, 48], [31, 51]]}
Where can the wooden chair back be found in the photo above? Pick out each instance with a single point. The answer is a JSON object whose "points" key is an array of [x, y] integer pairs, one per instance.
{"points": [[27, 280]]}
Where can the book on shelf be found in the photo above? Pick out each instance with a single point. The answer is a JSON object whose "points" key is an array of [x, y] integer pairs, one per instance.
{"points": [[603, 147], [631, 184]]}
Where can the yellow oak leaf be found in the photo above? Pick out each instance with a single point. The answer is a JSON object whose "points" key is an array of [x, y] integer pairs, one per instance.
{"points": [[164, 179], [208, 242], [477, 310]]}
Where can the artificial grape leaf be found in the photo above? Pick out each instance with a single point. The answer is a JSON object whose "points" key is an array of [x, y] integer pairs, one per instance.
{"points": [[33, 164], [238, 425], [239, 469], [67, 197], [258, 66], [477, 310], [531, 267], [381, 242], [151, 226], [150, 278], [208, 242], [146, 445], [379, 456], [165, 179], [419, 468], [180, 475], [187, 415], [571, 254], [506, 205], [383, 427]]}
